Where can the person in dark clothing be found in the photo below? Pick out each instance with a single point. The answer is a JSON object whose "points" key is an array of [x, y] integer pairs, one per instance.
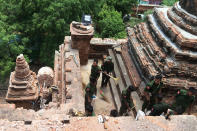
{"points": [[114, 113], [151, 92], [89, 110], [159, 108], [107, 68], [126, 102], [89, 92], [184, 99], [95, 70]]}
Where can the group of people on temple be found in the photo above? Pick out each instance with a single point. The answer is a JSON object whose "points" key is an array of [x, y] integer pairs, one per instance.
{"points": [[153, 103], [181, 101], [91, 90]]}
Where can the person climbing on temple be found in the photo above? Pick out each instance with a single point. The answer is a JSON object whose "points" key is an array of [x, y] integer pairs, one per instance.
{"points": [[89, 93], [126, 102], [151, 92], [107, 68], [183, 100], [95, 70], [159, 108]]}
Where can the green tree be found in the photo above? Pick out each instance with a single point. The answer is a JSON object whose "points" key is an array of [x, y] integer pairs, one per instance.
{"points": [[37, 27], [125, 6], [10, 46], [92, 7], [134, 21], [42, 24], [169, 2], [110, 23]]}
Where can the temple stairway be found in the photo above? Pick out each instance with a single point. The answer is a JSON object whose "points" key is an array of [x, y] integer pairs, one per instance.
{"points": [[121, 72]]}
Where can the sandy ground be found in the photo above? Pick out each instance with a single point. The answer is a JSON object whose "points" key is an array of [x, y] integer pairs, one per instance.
{"points": [[100, 105]]}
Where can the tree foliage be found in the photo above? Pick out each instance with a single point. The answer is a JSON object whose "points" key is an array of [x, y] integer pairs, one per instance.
{"points": [[42, 24], [37, 27], [169, 2], [10, 47], [134, 21], [110, 23], [123, 6]]}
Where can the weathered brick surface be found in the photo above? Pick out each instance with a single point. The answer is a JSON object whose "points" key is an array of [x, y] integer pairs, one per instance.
{"points": [[67, 77], [7, 106], [189, 6], [99, 46], [159, 46], [81, 36], [181, 22], [23, 83], [184, 15], [176, 35], [54, 122]]}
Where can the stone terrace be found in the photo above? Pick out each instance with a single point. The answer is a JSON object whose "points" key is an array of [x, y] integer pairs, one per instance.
{"points": [[165, 44]]}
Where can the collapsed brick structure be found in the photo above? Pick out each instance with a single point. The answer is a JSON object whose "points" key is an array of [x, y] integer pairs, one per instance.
{"points": [[67, 77], [45, 80], [99, 46], [23, 84], [81, 36], [165, 44]]}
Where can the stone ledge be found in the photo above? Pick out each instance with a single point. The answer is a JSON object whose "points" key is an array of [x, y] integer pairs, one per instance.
{"points": [[158, 123], [185, 15], [182, 38], [181, 23]]}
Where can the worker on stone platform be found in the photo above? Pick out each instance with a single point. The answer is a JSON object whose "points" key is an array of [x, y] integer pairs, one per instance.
{"points": [[95, 70], [151, 92], [126, 102], [183, 100], [107, 68], [89, 93], [159, 108]]}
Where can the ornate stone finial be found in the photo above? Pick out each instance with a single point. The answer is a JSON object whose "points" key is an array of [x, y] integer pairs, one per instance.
{"points": [[22, 68]]}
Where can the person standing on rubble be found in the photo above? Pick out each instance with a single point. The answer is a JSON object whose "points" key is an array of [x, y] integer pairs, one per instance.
{"points": [[89, 92], [126, 102], [95, 70], [159, 108], [107, 68], [151, 92], [183, 100]]}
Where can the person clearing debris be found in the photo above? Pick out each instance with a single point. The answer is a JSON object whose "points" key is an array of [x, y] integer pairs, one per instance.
{"points": [[126, 102], [151, 92], [90, 90], [159, 108], [184, 100], [95, 70], [107, 68]]}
